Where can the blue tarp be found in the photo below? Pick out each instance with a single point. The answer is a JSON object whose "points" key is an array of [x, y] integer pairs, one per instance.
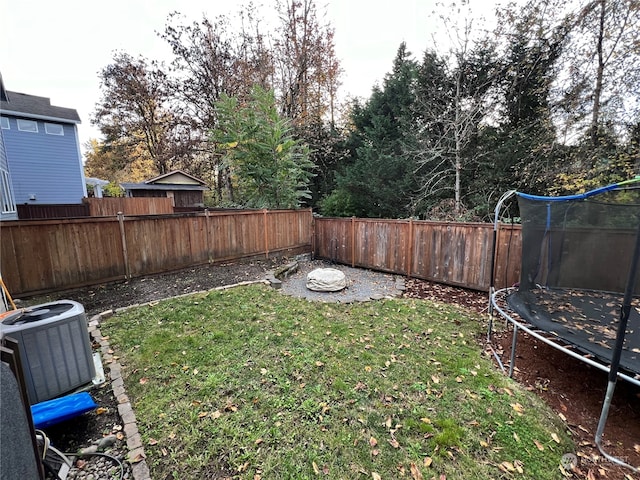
{"points": [[60, 409]]}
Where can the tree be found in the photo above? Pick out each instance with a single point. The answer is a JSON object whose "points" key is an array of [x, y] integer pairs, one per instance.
{"points": [[454, 95], [271, 169], [108, 164], [378, 178], [602, 66], [307, 70], [134, 116]]}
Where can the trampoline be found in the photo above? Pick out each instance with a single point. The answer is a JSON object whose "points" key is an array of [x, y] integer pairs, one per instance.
{"points": [[578, 288]]}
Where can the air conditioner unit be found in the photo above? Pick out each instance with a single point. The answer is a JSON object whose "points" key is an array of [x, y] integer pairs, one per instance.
{"points": [[55, 349]]}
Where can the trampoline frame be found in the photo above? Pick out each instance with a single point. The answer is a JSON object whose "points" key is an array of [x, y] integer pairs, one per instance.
{"points": [[612, 369], [553, 342]]}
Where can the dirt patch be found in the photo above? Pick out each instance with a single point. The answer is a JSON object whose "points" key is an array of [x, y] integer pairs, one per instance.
{"points": [[99, 298]]}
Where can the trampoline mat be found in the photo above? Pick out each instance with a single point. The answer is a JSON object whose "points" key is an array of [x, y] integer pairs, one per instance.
{"points": [[587, 320]]}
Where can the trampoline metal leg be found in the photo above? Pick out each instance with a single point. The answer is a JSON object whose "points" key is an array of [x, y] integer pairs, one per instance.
{"points": [[601, 423], [512, 360]]}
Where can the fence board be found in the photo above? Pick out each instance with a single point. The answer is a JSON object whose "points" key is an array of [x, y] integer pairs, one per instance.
{"points": [[38, 211], [110, 206]]}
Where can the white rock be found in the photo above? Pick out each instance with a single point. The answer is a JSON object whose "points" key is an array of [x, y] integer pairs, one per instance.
{"points": [[326, 280]]}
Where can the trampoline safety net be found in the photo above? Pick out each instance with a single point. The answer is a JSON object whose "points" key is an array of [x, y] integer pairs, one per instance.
{"points": [[576, 258]]}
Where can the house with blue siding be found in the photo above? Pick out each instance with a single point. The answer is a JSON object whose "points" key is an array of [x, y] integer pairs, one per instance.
{"points": [[42, 157]]}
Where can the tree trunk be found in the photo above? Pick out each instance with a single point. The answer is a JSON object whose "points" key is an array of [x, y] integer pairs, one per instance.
{"points": [[597, 92], [458, 141]]}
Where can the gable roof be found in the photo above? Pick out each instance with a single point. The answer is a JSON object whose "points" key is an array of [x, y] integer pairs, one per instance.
{"points": [[163, 182], [32, 106], [177, 173]]}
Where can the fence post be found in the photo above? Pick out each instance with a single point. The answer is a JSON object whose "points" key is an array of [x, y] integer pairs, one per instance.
{"points": [[410, 248], [266, 234], [206, 234], [125, 254], [353, 242]]}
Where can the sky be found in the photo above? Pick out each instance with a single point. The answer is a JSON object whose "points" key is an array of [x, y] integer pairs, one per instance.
{"points": [[56, 49]]}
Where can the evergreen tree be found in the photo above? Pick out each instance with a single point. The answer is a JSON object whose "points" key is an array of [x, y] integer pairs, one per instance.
{"points": [[379, 180]]}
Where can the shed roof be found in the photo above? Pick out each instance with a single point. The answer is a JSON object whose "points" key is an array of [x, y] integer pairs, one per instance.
{"points": [[163, 186], [178, 175]]}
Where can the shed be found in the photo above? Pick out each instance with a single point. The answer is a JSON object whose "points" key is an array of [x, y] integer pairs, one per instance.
{"points": [[185, 190]]}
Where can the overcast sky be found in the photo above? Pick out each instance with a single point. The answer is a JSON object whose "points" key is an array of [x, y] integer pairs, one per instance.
{"points": [[55, 49]]}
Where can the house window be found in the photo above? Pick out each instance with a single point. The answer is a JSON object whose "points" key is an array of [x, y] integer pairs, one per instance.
{"points": [[27, 125], [4, 123], [53, 129], [8, 204]]}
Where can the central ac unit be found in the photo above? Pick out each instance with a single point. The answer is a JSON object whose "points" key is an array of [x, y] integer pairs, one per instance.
{"points": [[55, 348]]}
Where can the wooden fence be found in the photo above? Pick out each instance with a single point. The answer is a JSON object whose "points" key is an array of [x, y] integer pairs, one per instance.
{"points": [[47, 255], [109, 206], [452, 253], [38, 211]]}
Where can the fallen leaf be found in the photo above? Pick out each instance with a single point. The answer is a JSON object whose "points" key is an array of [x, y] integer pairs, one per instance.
{"points": [[319, 364], [367, 368], [153, 441], [539, 445], [138, 458], [416, 474], [143, 380], [507, 467], [517, 407], [164, 452], [216, 414], [394, 443], [81, 463], [373, 442], [316, 470], [376, 476], [427, 461], [203, 414], [375, 452], [555, 437], [258, 441], [519, 466], [435, 379], [101, 410]]}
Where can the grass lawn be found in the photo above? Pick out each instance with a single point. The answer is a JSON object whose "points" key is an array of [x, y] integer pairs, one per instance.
{"points": [[248, 383]]}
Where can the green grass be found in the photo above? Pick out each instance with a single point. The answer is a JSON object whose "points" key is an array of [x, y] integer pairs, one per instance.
{"points": [[248, 383]]}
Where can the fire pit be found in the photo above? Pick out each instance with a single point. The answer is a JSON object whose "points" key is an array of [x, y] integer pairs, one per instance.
{"points": [[326, 280]]}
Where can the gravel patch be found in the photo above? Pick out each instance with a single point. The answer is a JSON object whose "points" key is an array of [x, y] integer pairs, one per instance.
{"points": [[362, 285]]}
